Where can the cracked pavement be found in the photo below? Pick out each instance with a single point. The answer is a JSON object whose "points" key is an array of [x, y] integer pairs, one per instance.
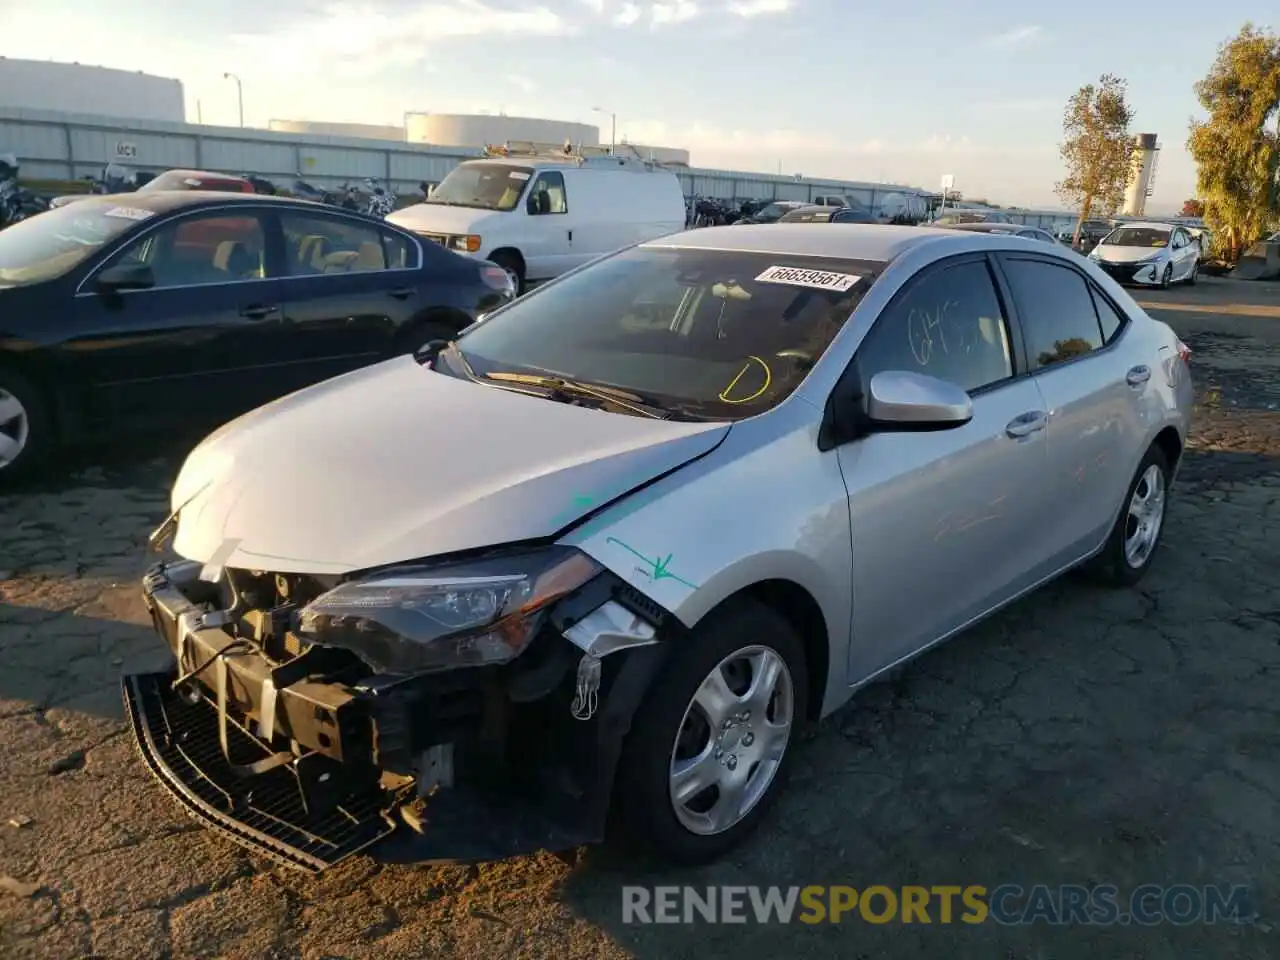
{"points": [[1081, 736]]}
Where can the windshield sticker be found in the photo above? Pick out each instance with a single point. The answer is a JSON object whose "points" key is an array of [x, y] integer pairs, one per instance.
{"points": [[818, 279], [518, 175], [129, 213]]}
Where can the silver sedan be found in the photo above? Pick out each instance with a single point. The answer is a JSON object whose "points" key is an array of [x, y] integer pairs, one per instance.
{"points": [[662, 512]]}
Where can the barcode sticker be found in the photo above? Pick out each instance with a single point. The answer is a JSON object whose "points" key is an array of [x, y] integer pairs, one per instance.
{"points": [[800, 277]]}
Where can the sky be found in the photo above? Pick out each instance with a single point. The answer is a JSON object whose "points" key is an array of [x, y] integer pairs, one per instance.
{"points": [[903, 92]]}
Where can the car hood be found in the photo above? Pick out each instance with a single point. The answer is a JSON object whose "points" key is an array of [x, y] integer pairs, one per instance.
{"points": [[439, 218], [1113, 254], [396, 462]]}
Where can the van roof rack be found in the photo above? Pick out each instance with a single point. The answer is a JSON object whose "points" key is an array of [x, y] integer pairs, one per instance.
{"points": [[568, 152]]}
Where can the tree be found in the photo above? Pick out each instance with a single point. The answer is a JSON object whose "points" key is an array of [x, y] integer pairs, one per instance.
{"points": [[1237, 157], [1097, 148], [1192, 208]]}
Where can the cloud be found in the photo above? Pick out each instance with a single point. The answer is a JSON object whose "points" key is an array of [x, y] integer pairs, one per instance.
{"points": [[370, 38], [595, 6], [673, 12], [759, 8], [1016, 36], [628, 15], [524, 83]]}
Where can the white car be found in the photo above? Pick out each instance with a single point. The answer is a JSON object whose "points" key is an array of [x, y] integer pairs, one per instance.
{"points": [[1149, 254]]}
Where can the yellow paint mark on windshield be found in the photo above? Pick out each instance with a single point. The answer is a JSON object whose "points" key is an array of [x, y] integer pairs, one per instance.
{"points": [[768, 380]]}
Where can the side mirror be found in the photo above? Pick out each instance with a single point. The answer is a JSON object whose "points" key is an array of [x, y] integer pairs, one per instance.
{"points": [[898, 400], [126, 276]]}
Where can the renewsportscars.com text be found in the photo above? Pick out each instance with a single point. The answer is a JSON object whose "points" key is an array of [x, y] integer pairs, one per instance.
{"points": [[1008, 904]]}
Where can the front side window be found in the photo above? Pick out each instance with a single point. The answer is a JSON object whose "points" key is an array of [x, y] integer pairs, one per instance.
{"points": [[948, 324], [708, 334], [547, 194], [1136, 237], [1056, 311], [483, 185], [214, 247], [59, 240], [315, 243]]}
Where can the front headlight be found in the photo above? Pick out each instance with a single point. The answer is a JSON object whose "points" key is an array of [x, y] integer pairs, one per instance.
{"points": [[421, 619], [469, 243]]}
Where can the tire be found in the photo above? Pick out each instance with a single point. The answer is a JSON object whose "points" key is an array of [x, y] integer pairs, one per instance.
{"points": [[1166, 278], [26, 427], [514, 268], [1194, 275], [670, 722], [1115, 566]]}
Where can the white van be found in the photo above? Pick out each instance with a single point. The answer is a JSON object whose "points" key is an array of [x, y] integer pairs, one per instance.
{"points": [[538, 216]]}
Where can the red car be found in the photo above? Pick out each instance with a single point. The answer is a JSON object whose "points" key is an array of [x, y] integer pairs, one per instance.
{"points": [[198, 180]]}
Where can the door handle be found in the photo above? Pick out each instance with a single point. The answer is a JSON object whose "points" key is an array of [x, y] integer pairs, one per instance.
{"points": [[571, 236], [258, 311], [402, 293], [1026, 424], [1137, 376]]}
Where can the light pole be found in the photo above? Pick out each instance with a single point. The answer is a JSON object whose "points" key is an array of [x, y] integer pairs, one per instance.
{"points": [[613, 128], [239, 93]]}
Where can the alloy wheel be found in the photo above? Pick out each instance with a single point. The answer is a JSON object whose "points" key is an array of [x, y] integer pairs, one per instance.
{"points": [[1146, 517], [731, 740], [15, 428]]}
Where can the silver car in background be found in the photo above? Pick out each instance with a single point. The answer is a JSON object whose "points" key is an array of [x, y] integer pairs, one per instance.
{"points": [[1149, 254], [606, 554]]}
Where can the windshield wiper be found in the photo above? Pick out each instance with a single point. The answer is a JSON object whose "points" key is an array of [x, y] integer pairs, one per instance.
{"points": [[563, 389]]}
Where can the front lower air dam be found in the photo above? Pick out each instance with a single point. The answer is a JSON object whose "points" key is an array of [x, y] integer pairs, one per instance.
{"points": [[306, 747]]}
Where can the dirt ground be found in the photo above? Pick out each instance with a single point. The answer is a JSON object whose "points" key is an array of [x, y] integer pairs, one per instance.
{"points": [[1082, 736]]}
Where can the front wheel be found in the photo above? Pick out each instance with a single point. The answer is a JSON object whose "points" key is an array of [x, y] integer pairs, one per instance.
{"points": [[1195, 274], [709, 751], [513, 268], [1166, 278], [26, 429]]}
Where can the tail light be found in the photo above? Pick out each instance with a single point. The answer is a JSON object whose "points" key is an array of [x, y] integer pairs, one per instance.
{"points": [[498, 279], [1184, 352]]}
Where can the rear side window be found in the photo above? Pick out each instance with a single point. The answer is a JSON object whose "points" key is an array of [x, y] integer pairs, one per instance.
{"points": [[1108, 317], [401, 252], [1056, 310], [949, 324]]}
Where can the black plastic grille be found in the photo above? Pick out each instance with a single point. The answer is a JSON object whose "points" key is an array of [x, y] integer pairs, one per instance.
{"points": [[179, 741]]}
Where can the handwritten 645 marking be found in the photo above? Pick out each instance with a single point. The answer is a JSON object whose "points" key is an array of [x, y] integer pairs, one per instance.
{"points": [[657, 566]]}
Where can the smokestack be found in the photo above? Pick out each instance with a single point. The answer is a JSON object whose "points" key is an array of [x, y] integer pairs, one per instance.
{"points": [[1146, 153]]}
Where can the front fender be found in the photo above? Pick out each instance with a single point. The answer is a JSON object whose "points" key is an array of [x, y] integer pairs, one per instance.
{"points": [[764, 505]]}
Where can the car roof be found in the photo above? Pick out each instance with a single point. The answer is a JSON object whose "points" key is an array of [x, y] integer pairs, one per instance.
{"points": [[165, 201], [987, 226], [1146, 225], [848, 241], [201, 174]]}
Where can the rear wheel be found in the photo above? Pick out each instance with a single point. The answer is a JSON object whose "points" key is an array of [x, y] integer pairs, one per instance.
{"points": [[1195, 273], [1132, 545], [26, 428], [709, 750]]}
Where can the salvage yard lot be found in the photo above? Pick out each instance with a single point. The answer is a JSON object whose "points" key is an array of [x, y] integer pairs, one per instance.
{"points": [[1082, 736]]}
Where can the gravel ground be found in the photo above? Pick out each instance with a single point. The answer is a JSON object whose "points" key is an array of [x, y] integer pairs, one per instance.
{"points": [[1082, 736]]}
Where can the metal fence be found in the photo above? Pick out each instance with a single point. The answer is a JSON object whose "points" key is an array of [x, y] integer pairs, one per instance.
{"points": [[63, 147], [66, 147]]}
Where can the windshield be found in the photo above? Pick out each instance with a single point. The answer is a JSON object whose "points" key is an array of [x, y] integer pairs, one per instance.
{"points": [[177, 180], [706, 334], [1137, 237], [55, 242], [487, 186], [774, 211]]}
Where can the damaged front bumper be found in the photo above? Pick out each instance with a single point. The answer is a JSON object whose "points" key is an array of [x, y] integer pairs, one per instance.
{"points": [[302, 752]]}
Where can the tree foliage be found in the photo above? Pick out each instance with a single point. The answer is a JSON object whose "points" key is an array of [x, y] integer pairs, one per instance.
{"points": [[1097, 148], [1192, 208], [1237, 156]]}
